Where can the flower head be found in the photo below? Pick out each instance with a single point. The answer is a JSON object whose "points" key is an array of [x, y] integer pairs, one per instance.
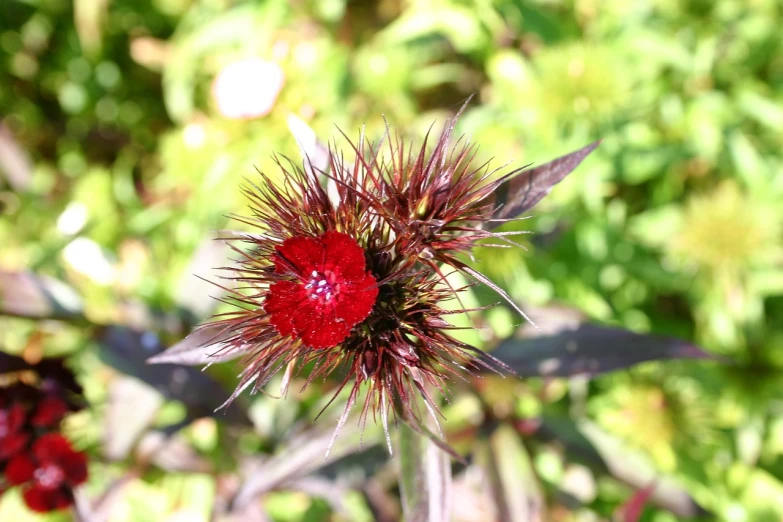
{"points": [[48, 473], [347, 268]]}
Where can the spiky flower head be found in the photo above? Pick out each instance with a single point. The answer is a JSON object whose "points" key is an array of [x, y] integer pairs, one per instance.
{"points": [[347, 268]]}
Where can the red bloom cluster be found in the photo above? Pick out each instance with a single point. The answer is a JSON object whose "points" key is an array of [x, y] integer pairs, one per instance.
{"points": [[347, 268], [33, 455], [48, 473]]}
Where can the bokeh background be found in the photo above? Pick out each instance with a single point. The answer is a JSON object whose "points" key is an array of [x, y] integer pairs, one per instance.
{"points": [[128, 126]]}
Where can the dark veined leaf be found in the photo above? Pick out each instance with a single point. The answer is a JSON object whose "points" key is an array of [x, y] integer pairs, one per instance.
{"points": [[24, 294], [127, 350], [204, 345], [590, 350], [523, 191]]}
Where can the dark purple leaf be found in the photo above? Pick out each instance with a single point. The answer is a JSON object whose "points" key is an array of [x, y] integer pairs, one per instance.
{"points": [[54, 376], [590, 350], [12, 363], [522, 192], [128, 350], [24, 294], [204, 345]]}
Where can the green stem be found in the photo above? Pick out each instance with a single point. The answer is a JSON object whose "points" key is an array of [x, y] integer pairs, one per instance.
{"points": [[425, 477]]}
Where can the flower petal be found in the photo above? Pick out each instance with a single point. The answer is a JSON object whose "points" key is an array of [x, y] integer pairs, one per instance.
{"points": [[49, 412], [343, 255], [283, 304], [355, 301], [51, 447], [43, 501], [303, 254], [20, 470]]}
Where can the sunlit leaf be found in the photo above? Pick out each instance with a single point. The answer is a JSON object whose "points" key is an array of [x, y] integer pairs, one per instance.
{"points": [[512, 478], [131, 409], [25, 294], [204, 345], [522, 192]]}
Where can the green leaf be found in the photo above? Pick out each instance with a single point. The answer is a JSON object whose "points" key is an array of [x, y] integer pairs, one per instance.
{"points": [[512, 478]]}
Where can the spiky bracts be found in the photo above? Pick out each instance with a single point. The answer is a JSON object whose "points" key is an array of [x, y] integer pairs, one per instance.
{"points": [[347, 270]]}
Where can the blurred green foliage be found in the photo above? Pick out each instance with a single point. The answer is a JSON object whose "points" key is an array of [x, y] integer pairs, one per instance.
{"points": [[674, 225]]}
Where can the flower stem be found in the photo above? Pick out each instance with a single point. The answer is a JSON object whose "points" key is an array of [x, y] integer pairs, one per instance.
{"points": [[425, 477]]}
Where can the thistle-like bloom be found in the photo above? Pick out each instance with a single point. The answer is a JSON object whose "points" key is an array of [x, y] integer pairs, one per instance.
{"points": [[347, 268]]}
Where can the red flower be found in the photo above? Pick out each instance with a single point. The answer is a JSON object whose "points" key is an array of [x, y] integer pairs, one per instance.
{"points": [[12, 438], [330, 293], [48, 474]]}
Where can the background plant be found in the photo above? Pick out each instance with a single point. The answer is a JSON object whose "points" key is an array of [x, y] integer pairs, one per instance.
{"points": [[117, 162]]}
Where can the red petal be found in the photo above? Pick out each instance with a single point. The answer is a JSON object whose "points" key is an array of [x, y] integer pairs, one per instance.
{"points": [[75, 468], [20, 470], [355, 301], [12, 445], [321, 322], [283, 302], [343, 255], [324, 331], [50, 412], [51, 447], [16, 417], [304, 254], [44, 501]]}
